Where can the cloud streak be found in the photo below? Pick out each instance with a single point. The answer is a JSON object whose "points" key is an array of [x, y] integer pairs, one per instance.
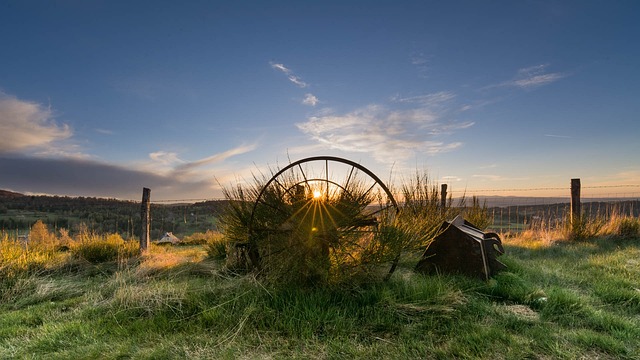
{"points": [[558, 136], [26, 125], [430, 100], [290, 75], [388, 135], [421, 62], [165, 157], [187, 168], [533, 77]]}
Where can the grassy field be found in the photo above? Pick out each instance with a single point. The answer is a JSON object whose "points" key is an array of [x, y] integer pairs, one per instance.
{"points": [[558, 300]]}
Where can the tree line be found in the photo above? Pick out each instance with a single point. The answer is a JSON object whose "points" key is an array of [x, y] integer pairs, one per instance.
{"points": [[100, 215]]}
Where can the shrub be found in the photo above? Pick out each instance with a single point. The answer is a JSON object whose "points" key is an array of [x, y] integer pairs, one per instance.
{"points": [[96, 249], [39, 236], [200, 238], [216, 245], [18, 258]]}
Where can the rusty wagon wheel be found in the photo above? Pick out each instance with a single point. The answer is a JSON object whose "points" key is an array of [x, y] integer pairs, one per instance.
{"points": [[321, 215]]}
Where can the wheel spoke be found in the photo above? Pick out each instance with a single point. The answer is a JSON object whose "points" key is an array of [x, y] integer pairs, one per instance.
{"points": [[342, 224]]}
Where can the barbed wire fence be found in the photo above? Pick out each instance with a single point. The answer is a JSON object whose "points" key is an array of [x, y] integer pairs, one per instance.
{"points": [[518, 209], [511, 210]]}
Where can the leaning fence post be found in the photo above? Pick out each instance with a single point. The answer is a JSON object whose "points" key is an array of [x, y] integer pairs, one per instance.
{"points": [[443, 198], [146, 217], [575, 200]]}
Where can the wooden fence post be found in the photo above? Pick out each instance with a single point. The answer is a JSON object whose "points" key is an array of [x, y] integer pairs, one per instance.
{"points": [[443, 198], [146, 217], [575, 200]]}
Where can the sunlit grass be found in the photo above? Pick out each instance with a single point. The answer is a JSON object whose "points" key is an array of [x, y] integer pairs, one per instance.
{"points": [[557, 299]]}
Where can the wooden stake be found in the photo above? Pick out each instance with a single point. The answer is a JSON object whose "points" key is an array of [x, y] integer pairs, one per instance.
{"points": [[146, 220], [575, 200], [443, 198]]}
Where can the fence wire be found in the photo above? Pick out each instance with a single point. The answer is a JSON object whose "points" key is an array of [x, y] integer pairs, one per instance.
{"points": [[511, 211], [517, 213]]}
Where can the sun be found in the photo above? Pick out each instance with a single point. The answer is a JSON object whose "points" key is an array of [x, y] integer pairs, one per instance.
{"points": [[317, 194]]}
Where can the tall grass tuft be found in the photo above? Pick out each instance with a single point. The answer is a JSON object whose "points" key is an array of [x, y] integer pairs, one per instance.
{"points": [[421, 215], [626, 227], [584, 227], [99, 249], [478, 213], [215, 243]]}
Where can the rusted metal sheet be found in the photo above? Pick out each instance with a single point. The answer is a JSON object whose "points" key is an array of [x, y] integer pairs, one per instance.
{"points": [[462, 248]]}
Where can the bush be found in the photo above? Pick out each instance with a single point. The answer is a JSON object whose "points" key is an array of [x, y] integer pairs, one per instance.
{"points": [[39, 236], [200, 238], [19, 258], [95, 249], [216, 246]]}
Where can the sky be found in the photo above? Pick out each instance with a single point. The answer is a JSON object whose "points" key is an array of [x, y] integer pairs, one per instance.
{"points": [[102, 98]]}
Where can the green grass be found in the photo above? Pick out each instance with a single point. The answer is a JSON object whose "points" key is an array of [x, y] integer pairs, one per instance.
{"points": [[557, 300]]}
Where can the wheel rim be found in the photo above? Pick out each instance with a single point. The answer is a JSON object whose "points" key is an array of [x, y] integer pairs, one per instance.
{"points": [[324, 207]]}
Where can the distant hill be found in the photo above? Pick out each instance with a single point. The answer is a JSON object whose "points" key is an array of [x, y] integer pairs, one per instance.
{"points": [[10, 194]]}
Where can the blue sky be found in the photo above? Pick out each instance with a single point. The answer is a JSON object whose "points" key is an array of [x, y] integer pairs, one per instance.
{"points": [[101, 98]]}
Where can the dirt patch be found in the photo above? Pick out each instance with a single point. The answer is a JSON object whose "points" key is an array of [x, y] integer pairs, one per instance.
{"points": [[522, 311]]}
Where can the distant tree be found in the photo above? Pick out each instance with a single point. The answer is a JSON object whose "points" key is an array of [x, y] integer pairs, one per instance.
{"points": [[39, 233]]}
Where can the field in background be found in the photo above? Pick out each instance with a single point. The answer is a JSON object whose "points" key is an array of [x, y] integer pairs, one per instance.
{"points": [[18, 213], [509, 214]]}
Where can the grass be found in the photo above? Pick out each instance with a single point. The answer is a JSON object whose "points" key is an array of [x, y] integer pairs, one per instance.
{"points": [[559, 299]]}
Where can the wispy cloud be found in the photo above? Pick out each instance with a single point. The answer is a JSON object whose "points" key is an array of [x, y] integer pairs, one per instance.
{"points": [[625, 176], [66, 151], [495, 177], [450, 178], [533, 77], [27, 125], [389, 135], [105, 131], [187, 169], [421, 62], [431, 100], [310, 99], [165, 158], [558, 136], [289, 73]]}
